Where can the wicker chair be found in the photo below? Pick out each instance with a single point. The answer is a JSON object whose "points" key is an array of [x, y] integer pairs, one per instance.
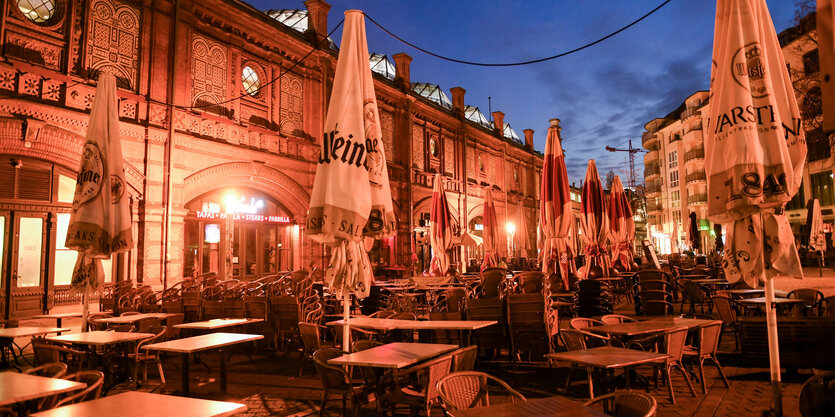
{"points": [[492, 282], [463, 359], [626, 404], [94, 381], [49, 370], [616, 319], [143, 356], [336, 381], [708, 345], [812, 300], [828, 305], [583, 322], [423, 392], [311, 334], [529, 282], [817, 396], [573, 339], [694, 294], [673, 346], [727, 313], [48, 352], [469, 389]]}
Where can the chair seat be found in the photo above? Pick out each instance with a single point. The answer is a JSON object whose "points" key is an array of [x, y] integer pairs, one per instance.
{"points": [[691, 351]]}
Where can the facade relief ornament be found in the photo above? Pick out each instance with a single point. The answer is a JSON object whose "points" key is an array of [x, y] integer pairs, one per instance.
{"points": [[113, 41]]}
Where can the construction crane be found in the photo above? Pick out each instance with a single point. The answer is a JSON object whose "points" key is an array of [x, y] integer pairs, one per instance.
{"points": [[632, 151]]}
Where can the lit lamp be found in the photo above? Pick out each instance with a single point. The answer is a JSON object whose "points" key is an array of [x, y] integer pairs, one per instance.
{"points": [[229, 203], [511, 230]]}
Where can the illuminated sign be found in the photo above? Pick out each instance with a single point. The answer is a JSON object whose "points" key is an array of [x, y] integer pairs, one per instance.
{"points": [[478, 227], [243, 217], [212, 233]]}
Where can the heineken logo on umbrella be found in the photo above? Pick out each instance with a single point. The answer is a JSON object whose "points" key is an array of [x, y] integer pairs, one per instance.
{"points": [[90, 176], [747, 64]]}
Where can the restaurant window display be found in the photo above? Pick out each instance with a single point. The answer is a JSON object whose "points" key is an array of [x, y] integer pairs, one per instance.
{"points": [[239, 233]]}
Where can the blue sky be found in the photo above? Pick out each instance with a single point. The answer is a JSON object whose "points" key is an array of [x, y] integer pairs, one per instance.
{"points": [[603, 95]]}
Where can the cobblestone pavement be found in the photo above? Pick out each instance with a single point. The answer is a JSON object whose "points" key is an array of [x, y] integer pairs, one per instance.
{"points": [[270, 386]]}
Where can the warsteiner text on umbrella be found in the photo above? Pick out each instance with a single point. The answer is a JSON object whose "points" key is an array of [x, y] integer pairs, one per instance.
{"points": [[331, 146]]}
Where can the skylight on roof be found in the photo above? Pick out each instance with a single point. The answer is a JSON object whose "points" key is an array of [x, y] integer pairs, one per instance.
{"points": [[510, 133], [433, 93], [295, 19], [473, 114], [381, 65]]}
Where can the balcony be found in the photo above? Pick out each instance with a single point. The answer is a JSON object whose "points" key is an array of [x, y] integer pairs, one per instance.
{"points": [[697, 199], [695, 177], [694, 155], [653, 207], [647, 139], [654, 189], [651, 171], [651, 156], [689, 112]]}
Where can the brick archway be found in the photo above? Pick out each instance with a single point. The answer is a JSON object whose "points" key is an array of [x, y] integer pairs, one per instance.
{"points": [[253, 175]]}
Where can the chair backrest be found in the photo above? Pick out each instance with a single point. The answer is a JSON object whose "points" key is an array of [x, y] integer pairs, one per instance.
{"points": [[529, 282], [159, 332], [311, 337], [453, 299], [709, 338], [405, 316], [817, 396], [654, 307], [95, 324], [724, 307], [810, 296], [255, 307], [94, 381], [616, 319], [464, 359], [146, 323], [491, 281], [469, 389], [578, 323], [627, 404], [333, 377], [49, 370], [674, 343], [123, 328], [383, 314], [234, 308], [130, 313], [433, 371], [693, 291], [171, 323], [573, 339], [654, 285], [829, 306], [364, 344]]}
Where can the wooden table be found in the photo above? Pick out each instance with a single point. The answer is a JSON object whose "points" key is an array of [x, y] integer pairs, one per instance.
{"points": [[212, 341], [133, 318], [551, 406], [100, 338], [393, 355], [59, 317], [215, 324], [395, 324], [146, 404], [781, 304], [608, 359], [16, 388], [746, 292], [711, 281], [7, 337], [640, 328]]}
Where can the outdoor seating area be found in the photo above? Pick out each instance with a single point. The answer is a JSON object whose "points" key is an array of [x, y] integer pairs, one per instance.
{"points": [[441, 352]]}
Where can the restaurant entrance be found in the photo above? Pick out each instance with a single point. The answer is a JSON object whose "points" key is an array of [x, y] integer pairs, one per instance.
{"points": [[242, 234]]}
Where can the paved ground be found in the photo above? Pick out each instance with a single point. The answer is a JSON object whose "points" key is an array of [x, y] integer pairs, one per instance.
{"points": [[270, 386]]}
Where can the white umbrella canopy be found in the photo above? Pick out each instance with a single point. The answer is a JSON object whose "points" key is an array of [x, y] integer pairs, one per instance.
{"points": [[440, 226], [674, 246], [521, 236], [100, 223], [467, 239], [814, 223], [622, 225], [594, 223], [755, 152], [555, 216], [490, 233], [351, 197]]}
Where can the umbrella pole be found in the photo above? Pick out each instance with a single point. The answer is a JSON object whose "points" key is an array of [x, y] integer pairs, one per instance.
{"points": [[85, 309], [773, 348], [820, 265], [346, 315]]}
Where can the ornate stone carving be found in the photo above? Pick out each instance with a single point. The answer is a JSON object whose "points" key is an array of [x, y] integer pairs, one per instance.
{"points": [[417, 147], [208, 71], [387, 126], [471, 163], [292, 105], [113, 42], [29, 84], [33, 50], [449, 156]]}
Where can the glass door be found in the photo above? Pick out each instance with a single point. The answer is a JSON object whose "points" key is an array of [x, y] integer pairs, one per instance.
{"points": [[5, 237], [28, 264]]}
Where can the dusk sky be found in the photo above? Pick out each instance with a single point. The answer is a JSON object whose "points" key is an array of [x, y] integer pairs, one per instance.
{"points": [[603, 95]]}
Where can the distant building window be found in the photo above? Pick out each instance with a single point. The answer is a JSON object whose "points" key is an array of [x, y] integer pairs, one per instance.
{"points": [[38, 11], [811, 62], [480, 164], [251, 81], [798, 202], [675, 197], [822, 188], [433, 147], [674, 178], [673, 159]]}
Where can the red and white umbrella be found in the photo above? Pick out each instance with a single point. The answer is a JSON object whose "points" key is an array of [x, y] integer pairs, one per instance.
{"points": [[555, 216], [490, 233], [351, 197], [100, 223], [440, 226], [622, 224], [594, 222], [755, 152]]}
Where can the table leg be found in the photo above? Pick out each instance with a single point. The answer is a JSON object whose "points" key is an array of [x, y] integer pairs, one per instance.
{"points": [[222, 371], [59, 321], [185, 374]]}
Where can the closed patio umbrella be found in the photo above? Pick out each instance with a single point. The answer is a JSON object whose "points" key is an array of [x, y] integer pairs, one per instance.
{"points": [[440, 226], [622, 225], [755, 152], [594, 223], [100, 223], [717, 229], [351, 198], [674, 246], [521, 236], [490, 233], [814, 224], [467, 239], [555, 216]]}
